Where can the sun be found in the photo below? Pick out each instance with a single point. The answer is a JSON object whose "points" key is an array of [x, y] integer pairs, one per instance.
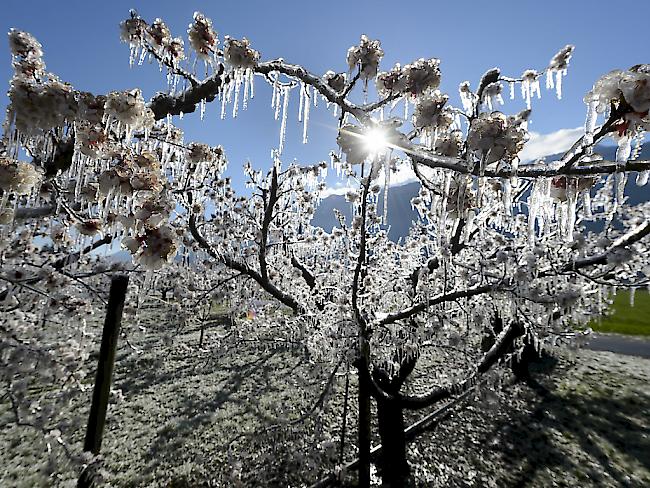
{"points": [[375, 140]]}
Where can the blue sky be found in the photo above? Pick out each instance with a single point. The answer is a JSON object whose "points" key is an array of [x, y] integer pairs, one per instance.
{"points": [[81, 44]]}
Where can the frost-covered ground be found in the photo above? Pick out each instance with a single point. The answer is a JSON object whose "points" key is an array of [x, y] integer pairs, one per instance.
{"points": [[222, 417]]}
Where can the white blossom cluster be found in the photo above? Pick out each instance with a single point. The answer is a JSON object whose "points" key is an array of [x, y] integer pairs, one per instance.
{"points": [[203, 38], [129, 108], [494, 136], [18, 177], [239, 54], [417, 78]]}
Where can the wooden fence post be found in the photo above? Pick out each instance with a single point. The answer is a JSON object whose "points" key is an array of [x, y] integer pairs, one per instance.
{"points": [[104, 376]]}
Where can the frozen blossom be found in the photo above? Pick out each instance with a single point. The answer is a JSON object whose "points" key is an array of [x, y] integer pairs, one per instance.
{"points": [[129, 108], [37, 107], [366, 57], [203, 38], [203, 153], [17, 177], [24, 45], [239, 54], [430, 112], [493, 136], [154, 248], [449, 144], [422, 76], [391, 82]]}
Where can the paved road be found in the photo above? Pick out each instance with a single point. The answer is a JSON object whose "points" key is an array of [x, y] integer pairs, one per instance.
{"points": [[630, 346]]}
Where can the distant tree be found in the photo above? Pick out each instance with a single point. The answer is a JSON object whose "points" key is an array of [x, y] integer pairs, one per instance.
{"points": [[500, 257]]}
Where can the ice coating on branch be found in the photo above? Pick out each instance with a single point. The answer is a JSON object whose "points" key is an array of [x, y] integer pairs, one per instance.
{"points": [[17, 177], [366, 57], [203, 38], [239, 54], [642, 178], [336, 81]]}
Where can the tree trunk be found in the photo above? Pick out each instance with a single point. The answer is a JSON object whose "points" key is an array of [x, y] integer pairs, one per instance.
{"points": [[394, 468], [364, 429]]}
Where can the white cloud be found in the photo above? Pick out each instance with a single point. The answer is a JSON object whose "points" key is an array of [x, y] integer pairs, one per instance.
{"points": [[541, 145]]}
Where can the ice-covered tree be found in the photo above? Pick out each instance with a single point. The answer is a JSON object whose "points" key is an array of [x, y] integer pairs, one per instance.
{"points": [[504, 255]]}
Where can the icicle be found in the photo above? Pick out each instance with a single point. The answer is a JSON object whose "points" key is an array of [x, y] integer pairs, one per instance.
{"points": [[632, 290], [558, 83], [623, 150], [590, 122], [406, 108], [302, 101], [238, 82], [586, 205], [507, 196], [223, 103], [642, 177], [283, 124], [511, 84], [246, 88], [305, 117], [202, 105], [386, 185]]}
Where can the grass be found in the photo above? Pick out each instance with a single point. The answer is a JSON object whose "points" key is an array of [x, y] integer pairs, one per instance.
{"points": [[624, 318]]}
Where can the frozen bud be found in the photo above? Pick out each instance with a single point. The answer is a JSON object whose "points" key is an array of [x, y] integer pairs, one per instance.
{"points": [[336, 81], [239, 54], [366, 56], [561, 60], [619, 256], [203, 37]]}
